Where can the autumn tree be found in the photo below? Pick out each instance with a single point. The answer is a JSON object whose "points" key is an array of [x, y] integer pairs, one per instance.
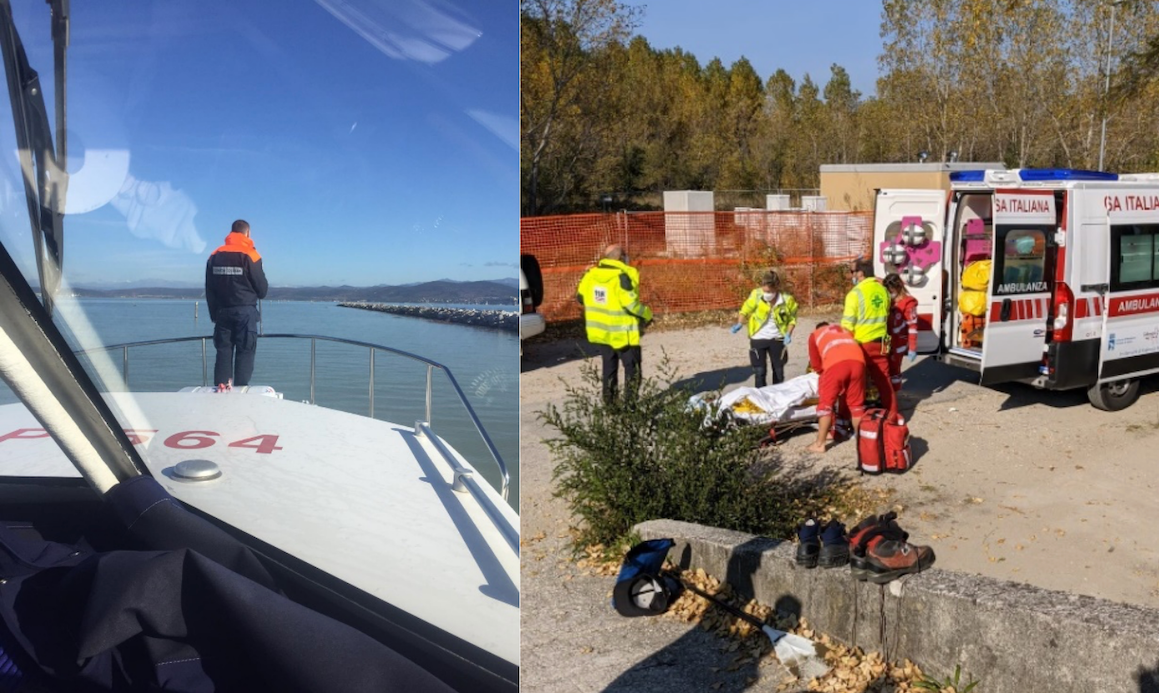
{"points": [[559, 41], [1017, 81]]}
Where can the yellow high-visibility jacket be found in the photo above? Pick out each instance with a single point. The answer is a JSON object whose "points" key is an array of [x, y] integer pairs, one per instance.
{"points": [[866, 311], [612, 308], [784, 315]]}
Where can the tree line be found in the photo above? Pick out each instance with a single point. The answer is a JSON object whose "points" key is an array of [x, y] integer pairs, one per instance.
{"points": [[606, 115]]}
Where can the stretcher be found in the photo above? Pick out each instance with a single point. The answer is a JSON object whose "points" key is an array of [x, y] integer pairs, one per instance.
{"points": [[783, 408]]}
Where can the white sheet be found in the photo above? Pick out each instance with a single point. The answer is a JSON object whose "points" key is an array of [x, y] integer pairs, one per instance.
{"points": [[780, 403]]}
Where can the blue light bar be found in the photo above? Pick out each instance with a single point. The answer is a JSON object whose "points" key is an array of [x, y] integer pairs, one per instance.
{"points": [[1044, 174], [968, 176]]}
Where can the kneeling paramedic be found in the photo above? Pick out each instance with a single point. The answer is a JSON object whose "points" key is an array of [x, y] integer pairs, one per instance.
{"points": [[840, 362], [613, 314]]}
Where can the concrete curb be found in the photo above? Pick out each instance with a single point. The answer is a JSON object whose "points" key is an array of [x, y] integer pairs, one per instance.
{"points": [[1013, 637]]}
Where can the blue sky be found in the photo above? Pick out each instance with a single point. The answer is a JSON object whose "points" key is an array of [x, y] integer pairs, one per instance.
{"points": [[799, 37], [366, 141]]}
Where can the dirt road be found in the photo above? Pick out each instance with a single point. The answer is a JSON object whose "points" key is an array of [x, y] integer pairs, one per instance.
{"points": [[1009, 482]]}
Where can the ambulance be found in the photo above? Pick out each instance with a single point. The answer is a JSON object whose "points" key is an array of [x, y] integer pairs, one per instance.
{"points": [[1043, 276]]}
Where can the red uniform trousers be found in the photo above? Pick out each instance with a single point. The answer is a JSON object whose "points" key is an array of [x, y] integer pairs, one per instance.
{"points": [[895, 360], [877, 366], [845, 377]]}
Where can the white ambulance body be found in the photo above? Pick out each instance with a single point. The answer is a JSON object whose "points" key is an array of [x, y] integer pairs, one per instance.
{"points": [[1071, 295]]}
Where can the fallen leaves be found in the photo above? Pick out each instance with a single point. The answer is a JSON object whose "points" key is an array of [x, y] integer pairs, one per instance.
{"points": [[857, 672], [527, 541], [851, 669], [601, 560]]}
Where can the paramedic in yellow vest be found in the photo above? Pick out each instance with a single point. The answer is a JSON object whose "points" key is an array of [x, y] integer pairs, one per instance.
{"points": [[613, 314], [866, 315], [771, 315]]}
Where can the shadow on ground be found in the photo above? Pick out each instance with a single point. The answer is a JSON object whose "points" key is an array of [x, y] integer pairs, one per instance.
{"points": [[926, 379], [1019, 395], [929, 377], [715, 668], [714, 380], [1148, 679], [918, 448], [548, 353]]}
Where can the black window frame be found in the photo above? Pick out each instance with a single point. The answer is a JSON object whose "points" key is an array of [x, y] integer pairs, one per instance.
{"points": [[998, 268], [1117, 233]]}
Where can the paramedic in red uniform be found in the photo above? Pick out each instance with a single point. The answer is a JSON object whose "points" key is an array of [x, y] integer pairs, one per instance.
{"points": [[234, 281], [903, 327], [866, 314], [839, 361]]}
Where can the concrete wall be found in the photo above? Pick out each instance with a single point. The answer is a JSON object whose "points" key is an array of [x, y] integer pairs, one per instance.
{"points": [[851, 187], [1013, 637]]}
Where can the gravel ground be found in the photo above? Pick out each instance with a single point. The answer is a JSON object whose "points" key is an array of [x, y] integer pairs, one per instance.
{"points": [[1009, 482]]}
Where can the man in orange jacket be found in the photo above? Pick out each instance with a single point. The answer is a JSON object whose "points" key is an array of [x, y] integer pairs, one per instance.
{"points": [[234, 281], [840, 362]]}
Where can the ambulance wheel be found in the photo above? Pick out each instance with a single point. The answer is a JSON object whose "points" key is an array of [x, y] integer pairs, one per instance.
{"points": [[1114, 396]]}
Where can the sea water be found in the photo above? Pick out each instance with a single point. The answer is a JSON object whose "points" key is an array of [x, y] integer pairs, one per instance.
{"points": [[485, 363]]}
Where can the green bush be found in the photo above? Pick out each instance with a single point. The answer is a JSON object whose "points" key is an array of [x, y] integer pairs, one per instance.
{"points": [[618, 464]]}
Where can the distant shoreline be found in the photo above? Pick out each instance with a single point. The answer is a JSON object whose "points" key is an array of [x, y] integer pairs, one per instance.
{"points": [[503, 293], [493, 319]]}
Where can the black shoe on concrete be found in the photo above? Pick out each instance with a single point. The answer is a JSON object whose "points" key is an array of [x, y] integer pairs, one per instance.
{"points": [[809, 547], [834, 546]]}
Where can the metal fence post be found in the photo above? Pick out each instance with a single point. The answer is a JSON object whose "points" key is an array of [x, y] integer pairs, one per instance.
{"points": [[125, 366], [313, 343], [372, 382], [429, 369]]}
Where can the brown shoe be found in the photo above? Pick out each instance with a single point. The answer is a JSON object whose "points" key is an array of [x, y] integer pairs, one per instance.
{"points": [[889, 556]]}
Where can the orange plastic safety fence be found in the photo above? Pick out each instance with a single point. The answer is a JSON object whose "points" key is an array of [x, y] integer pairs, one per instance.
{"points": [[692, 261]]}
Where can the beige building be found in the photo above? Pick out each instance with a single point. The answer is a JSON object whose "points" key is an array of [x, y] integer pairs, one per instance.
{"points": [[850, 187]]}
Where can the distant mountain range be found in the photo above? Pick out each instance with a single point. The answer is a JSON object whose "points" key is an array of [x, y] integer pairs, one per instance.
{"points": [[501, 292]]}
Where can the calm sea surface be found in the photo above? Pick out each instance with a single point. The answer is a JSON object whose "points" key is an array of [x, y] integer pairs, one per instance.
{"points": [[484, 362]]}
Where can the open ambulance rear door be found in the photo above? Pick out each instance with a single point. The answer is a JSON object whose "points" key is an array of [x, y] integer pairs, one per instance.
{"points": [[908, 235], [1019, 294]]}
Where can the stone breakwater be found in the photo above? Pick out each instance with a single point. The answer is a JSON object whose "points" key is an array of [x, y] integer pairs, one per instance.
{"points": [[495, 319]]}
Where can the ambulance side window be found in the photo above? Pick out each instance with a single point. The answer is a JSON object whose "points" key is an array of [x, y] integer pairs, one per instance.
{"points": [[1021, 262], [1134, 257]]}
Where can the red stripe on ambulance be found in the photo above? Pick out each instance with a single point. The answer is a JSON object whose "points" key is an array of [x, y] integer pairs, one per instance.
{"points": [[1133, 305], [1088, 308], [1020, 309]]}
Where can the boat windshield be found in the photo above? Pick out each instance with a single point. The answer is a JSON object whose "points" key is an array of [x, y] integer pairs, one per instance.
{"points": [[367, 148]]}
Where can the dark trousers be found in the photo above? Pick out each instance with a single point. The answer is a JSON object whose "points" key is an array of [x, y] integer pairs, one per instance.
{"points": [[235, 336], [772, 350], [612, 358]]}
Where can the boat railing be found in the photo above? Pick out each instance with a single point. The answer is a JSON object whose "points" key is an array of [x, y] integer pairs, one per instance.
{"points": [[431, 366]]}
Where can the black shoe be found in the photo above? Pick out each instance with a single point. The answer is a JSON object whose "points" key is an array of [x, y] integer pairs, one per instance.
{"points": [[834, 546], [809, 547]]}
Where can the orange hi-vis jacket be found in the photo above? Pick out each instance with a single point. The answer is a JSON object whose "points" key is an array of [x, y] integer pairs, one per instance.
{"points": [[234, 275], [831, 345]]}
